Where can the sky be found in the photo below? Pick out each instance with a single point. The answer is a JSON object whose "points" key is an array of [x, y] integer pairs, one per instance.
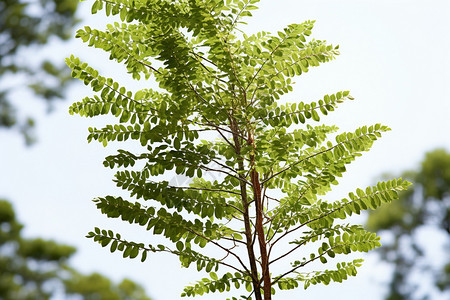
{"points": [[394, 59]]}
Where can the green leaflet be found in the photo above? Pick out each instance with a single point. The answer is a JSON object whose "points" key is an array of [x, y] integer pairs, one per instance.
{"points": [[225, 283], [343, 271]]}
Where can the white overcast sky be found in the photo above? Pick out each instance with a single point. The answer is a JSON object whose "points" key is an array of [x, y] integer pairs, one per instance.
{"points": [[394, 59]]}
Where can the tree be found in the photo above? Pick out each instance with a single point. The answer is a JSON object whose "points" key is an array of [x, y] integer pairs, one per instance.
{"points": [[425, 206], [26, 25], [255, 169], [97, 286], [37, 268]]}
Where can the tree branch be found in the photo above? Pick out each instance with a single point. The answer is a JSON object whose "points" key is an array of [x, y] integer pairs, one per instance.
{"points": [[322, 216], [221, 247], [305, 263]]}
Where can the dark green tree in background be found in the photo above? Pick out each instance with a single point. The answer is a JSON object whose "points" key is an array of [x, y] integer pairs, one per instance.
{"points": [[25, 26], [37, 269], [96, 286], [426, 205]]}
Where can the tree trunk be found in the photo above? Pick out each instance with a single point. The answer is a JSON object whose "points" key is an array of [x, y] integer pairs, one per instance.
{"points": [[261, 236], [248, 230], [260, 230]]}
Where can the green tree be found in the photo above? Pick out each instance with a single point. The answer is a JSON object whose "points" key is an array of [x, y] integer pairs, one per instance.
{"points": [[37, 268], [255, 169], [427, 205], [96, 286], [30, 25]]}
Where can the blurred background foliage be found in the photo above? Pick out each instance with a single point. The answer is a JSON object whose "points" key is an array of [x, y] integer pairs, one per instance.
{"points": [[424, 207], [25, 28], [38, 269]]}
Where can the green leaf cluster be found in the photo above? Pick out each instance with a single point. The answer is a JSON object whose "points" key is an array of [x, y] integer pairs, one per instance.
{"points": [[214, 283], [342, 272]]}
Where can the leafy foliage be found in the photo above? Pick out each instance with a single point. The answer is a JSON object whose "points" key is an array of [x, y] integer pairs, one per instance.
{"points": [[425, 206], [255, 166], [29, 25], [38, 269], [97, 286]]}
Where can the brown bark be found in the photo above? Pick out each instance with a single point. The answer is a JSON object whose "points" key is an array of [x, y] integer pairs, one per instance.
{"points": [[248, 229], [267, 287]]}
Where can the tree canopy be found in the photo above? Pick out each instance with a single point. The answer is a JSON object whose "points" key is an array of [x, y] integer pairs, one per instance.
{"points": [[426, 206], [31, 25], [38, 269], [255, 166]]}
